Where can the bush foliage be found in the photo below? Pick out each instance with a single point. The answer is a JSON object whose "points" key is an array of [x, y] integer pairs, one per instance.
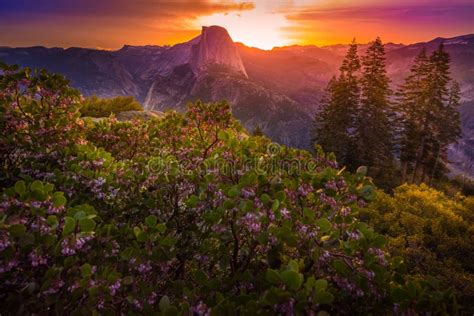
{"points": [[100, 107], [433, 232], [186, 214]]}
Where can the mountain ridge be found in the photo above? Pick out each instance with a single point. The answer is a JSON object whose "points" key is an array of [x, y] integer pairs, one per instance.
{"points": [[265, 87]]}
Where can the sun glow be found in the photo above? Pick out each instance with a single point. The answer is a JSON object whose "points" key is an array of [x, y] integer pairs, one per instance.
{"points": [[261, 27]]}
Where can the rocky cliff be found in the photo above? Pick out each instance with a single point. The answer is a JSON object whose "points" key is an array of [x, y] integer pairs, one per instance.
{"points": [[215, 47]]}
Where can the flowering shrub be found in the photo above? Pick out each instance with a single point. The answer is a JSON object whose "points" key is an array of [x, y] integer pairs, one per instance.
{"points": [[433, 232], [39, 118], [191, 217]]}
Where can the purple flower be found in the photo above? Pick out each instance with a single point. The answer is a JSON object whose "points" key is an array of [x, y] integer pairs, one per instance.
{"points": [[285, 213], [331, 185], [305, 189], [379, 254], [4, 242], [247, 193], [100, 304], [152, 298], [144, 267], [137, 304], [341, 183], [36, 204], [8, 266], [345, 211], [115, 287], [286, 308], [330, 201], [200, 309], [251, 221], [164, 267], [353, 235], [258, 203], [67, 250], [370, 274], [80, 242], [217, 228], [55, 210], [36, 259], [55, 287]]}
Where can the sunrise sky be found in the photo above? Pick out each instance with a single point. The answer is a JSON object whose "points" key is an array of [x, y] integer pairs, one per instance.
{"points": [[110, 24]]}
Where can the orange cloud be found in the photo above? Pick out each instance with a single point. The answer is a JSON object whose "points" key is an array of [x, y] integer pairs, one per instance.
{"points": [[106, 23], [402, 22]]}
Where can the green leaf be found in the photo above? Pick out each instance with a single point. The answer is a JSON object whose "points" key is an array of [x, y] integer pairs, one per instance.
{"points": [[321, 285], [265, 198], [151, 220], [17, 230], [86, 270], [52, 221], [142, 236], [400, 295], [164, 303], [86, 224], [37, 186], [273, 276], [192, 201], [171, 311], [368, 192], [324, 297], [20, 187], [280, 195], [136, 231], [293, 265], [161, 227], [26, 239], [292, 279], [128, 280], [69, 225], [222, 135], [168, 241], [127, 253], [59, 199], [232, 192], [340, 267], [362, 170], [80, 215], [275, 205], [379, 241], [309, 213], [324, 225]]}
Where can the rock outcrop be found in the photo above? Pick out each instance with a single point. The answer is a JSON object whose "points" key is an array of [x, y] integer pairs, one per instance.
{"points": [[215, 46]]}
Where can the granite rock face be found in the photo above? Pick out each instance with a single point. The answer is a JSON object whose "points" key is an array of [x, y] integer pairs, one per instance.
{"points": [[216, 47]]}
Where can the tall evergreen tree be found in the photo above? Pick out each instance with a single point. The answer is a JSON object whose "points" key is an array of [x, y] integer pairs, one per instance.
{"points": [[334, 124], [257, 131], [413, 103], [429, 108], [374, 132], [448, 130]]}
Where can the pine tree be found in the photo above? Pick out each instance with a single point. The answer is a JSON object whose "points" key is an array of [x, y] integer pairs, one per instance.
{"points": [[334, 124], [430, 118], [412, 106], [448, 131], [374, 132], [257, 131]]}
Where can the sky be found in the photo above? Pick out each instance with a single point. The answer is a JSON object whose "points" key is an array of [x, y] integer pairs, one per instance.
{"points": [[109, 24]]}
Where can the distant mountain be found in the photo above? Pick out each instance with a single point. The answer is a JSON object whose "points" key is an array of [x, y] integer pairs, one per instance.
{"points": [[277, 89]]}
